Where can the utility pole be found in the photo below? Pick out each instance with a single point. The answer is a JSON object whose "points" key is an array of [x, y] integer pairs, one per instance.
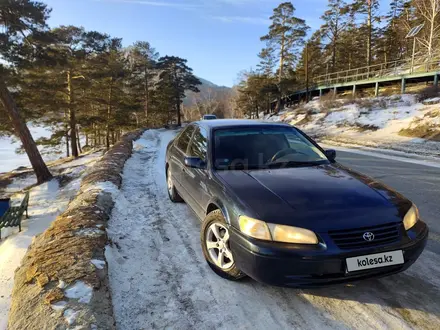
{"points": [[413, 54], [307, 72], [412, 34]]}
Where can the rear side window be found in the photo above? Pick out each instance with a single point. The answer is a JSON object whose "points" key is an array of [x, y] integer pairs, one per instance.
{"points": [[184, 138], [199, 144]]}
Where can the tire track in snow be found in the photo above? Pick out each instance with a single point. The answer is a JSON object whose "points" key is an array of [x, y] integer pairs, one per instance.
{"points": [[159, 278]]}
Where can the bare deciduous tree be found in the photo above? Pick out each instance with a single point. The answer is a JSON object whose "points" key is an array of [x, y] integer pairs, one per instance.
{"points": [[429, 11]]}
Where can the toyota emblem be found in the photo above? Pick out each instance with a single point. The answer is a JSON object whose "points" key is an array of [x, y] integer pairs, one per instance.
{"points": [[368, 236]]}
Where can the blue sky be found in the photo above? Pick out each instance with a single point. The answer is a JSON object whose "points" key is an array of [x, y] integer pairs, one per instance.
{"points": [[219, 38]]}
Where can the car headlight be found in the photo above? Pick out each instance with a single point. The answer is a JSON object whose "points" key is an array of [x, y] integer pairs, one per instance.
{"points": [[277, 233], [289, 234], [411, 217], [254, 228]]}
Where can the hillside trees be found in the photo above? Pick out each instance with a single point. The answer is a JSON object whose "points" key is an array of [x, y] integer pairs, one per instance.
{"points": [[354, 34], [256, 92], [56, 84], [334, 25], [84, 85], [368, 10]]}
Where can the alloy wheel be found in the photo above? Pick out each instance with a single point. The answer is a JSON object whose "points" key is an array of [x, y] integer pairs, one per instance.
{"points": [[217, 243]]}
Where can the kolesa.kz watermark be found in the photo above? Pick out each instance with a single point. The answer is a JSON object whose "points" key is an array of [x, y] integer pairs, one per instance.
{"points": [[375, 261]]}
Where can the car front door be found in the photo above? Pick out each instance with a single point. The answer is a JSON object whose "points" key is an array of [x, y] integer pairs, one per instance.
{"points": [[198, 177]]}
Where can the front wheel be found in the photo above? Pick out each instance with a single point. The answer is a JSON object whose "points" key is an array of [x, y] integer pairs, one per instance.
{"points": [[214, 237]]}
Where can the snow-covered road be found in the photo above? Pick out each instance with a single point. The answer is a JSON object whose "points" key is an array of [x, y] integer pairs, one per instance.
{"points": [[159, 278]]}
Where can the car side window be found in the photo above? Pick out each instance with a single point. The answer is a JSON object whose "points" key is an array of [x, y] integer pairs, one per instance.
{"points": [[184, 138], [199, 144]]}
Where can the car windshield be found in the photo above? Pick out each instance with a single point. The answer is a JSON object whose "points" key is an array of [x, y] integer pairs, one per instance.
{"points": [[264, 147], [209, 117]]}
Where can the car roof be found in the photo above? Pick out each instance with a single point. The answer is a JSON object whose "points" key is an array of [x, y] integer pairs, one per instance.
{"points": [[221, 123]]}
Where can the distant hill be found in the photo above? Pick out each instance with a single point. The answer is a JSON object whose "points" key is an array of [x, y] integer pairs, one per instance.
{"points": [[207, 90]]}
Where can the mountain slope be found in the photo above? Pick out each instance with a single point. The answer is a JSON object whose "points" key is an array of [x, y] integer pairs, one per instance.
{"points": [[208, 91]]}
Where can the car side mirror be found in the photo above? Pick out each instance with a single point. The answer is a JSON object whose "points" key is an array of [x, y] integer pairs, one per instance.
{"points": [[331, 154], [194, 162]]}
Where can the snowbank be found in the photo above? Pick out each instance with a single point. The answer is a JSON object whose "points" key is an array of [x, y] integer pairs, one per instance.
{"points": [[46, 202], [8, 146], [373, 122], [63, 280]]}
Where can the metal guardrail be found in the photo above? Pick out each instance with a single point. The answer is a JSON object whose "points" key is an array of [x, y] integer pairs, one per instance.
{"points": [[389, 69]]}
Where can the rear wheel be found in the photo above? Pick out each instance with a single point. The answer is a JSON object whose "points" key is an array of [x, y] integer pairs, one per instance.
{"points": [[214, 237], [172, 192]]}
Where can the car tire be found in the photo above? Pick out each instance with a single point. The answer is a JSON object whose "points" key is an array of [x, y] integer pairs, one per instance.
{"points": [[229, 270], [172, 191]]}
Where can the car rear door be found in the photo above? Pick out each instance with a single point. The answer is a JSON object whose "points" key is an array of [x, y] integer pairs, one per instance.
{"points": [[197, 177], [177, 160]]}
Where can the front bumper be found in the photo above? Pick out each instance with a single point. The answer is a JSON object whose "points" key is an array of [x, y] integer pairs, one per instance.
{"points": [[295, 265]]}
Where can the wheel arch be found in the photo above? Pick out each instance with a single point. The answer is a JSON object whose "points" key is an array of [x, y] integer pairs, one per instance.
{"points": [[216, 204]]}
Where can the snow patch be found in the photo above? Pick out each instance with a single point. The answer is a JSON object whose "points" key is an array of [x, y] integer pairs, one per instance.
{"points": [[81, 291], [59, 305], [70, 316], [105, 186], [8, 146], [99, 264], [45, 203], [90, 232]]}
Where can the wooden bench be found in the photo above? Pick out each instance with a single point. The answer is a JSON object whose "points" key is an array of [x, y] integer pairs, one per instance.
{"points": [[12, 214]]}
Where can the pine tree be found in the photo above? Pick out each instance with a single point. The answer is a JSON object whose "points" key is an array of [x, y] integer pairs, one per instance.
{"points": [[108, 90], [286, 36], [369, 12], [334, 23], [20, 21], [267, 61], [55, 84], [177, 77], [142, 61], [315, 56]]}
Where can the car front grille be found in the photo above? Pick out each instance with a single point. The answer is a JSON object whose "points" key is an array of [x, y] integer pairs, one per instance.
{"points": [[354, 238]]}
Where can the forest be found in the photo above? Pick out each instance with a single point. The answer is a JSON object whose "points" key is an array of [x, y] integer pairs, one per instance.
{"points": [[353, 34], [84, 85]]}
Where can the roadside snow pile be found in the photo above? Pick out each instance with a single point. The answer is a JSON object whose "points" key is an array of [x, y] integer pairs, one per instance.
{"points": [[397, 122], [433, 100], [62, 281]]}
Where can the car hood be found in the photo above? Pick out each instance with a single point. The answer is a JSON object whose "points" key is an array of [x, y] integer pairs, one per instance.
{"points": [[319, 197]]}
